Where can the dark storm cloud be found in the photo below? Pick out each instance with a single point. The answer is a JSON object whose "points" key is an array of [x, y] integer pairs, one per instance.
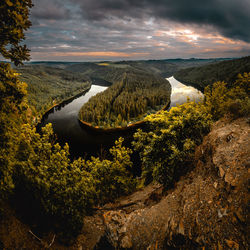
{"points": [[82, 30], [49, 9], [230, 17]]}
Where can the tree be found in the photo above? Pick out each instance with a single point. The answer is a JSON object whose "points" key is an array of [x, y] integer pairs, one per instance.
{"points": [[167, 146], [112, 178], [14, 20]]}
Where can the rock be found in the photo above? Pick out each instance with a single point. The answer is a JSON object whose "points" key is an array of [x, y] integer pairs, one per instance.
{"points": [[231, 179], [187, 217]]}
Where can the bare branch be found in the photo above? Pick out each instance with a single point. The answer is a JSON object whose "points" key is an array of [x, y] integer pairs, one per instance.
{"points": [[43, 243]]}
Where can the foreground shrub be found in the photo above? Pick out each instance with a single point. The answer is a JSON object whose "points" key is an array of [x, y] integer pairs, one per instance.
{"points": [[221, 100], [45, 177], [62, 192], [167, 147], [112, 178], [12, 114]]}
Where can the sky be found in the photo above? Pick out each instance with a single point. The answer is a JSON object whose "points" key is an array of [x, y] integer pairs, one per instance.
{"points": [[98, 30]]}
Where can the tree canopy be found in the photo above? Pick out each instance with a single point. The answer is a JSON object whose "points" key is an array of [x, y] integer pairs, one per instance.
{"points": [[14, 20]]}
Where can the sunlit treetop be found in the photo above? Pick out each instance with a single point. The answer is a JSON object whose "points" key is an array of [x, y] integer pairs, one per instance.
{"points": [[14, 21]]}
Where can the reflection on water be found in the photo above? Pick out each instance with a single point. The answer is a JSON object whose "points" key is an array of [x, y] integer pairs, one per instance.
{"points": [[181, 92], [64, 119], [72, 109]]}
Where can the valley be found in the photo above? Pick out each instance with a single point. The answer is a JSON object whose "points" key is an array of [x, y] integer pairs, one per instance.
{"points": [[124, 125]]}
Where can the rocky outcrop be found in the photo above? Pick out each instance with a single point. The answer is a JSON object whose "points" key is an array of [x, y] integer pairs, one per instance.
{"points": [[207, 208]]}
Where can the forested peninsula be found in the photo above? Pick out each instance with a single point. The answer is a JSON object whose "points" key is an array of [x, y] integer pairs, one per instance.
{"points": [[128, 100]]}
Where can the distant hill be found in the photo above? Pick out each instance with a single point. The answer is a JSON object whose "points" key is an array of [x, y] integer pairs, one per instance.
{"points": [[52, 81], [167, 67], [106, 73], [227, 71], [110, 71]]}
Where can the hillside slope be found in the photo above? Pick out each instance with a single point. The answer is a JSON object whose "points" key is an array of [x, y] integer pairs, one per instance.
{"points": [[48, 85], [110, 71], [227, 71], [207, 207]]}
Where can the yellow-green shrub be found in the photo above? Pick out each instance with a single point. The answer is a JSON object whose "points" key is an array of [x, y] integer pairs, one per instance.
{"points": [[112, 178], [221, 100], [12, 114], [48, 181], [167, 145], [166, 148]]}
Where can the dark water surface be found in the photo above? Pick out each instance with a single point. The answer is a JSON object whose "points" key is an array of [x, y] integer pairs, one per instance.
{"points": [[82, 142]]}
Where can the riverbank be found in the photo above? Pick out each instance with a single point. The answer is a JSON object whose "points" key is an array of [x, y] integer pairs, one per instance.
{"points": [[66, 101]]}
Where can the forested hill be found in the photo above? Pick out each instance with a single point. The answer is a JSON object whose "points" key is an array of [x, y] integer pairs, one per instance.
{"points": [[129, 99], [167, 67], [111, 71], [49, 85], [206, 75], [106, 73], [48, 81]]}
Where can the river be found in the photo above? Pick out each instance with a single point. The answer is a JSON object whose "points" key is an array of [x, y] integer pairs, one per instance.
{"points": [[64, 119], [181, 92]]}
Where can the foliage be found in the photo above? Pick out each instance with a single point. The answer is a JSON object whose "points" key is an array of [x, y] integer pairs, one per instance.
{"points": [[206, 75], [14, 20], [112, 178], [220, 99], [43, 171], [127, 100], [63, 190], [48, 86], [167, 147], [12, 114]]}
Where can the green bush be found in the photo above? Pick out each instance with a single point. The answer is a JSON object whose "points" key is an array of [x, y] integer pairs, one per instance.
{"points": [[12, 113], [112, 178], [221, 100], [166, 148], [45, 177], [65, 191]]}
